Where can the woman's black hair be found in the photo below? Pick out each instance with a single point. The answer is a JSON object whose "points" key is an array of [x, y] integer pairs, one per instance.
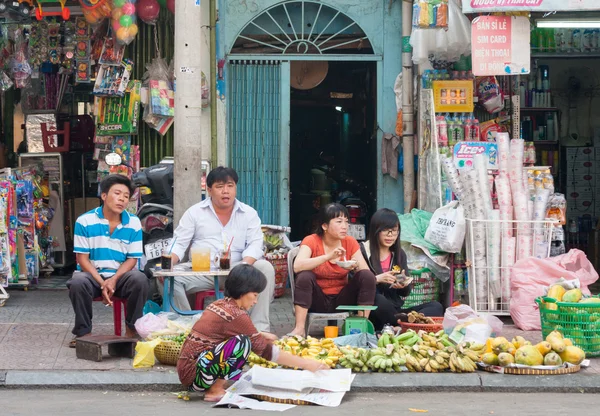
{"points": [[115, 179], [383, 219], [221, 174], [329, 212], [243, 279]]}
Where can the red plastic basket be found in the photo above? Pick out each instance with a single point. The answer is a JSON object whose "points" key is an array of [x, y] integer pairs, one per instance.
{"points": [[425, 327]]}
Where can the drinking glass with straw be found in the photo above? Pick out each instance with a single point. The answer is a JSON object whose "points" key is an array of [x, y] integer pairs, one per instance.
{"points": [[166, 262]]}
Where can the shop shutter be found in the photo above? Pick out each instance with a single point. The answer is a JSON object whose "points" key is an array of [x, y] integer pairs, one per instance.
{"points": [[254, 134]]}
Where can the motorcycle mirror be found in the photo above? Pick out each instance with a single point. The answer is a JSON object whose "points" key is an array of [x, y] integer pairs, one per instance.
{"points": [[113, 159]]}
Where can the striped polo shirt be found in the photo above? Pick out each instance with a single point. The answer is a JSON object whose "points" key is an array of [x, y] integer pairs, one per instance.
{"points": [[107, 252]]}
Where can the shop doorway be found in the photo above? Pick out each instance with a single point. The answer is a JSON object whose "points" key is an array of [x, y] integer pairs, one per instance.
{"points": [[333, 142]]}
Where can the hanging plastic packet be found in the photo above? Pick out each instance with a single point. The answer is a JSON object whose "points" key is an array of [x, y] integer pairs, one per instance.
{"points": [[95, 11], [123, 21], [489, 94], [548, 180]]}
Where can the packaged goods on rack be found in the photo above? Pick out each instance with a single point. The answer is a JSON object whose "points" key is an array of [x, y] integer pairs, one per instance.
{"points": [[430, 14]]}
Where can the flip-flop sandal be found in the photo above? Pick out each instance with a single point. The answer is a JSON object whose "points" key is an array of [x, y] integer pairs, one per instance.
{"points": [[73, 342]]}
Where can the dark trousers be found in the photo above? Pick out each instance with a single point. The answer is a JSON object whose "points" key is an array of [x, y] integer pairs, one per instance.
{"points": [[360, 290], [132, 286], [386, 311]]}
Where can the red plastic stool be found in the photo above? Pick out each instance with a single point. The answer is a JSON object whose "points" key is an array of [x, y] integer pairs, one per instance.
{"points": [[118, 303], [199, 305]]}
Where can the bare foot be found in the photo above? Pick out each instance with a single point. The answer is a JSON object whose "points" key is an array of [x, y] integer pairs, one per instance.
{"points": [[216, 392]]}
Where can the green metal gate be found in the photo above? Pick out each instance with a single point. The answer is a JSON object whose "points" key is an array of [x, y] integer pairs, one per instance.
{"points": [[254, 134]]}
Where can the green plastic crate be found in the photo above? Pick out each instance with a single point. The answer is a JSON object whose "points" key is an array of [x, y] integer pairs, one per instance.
{"points": [[426, 288], [580, 322]]}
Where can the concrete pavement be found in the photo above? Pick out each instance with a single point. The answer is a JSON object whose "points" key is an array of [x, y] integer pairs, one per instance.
{"points": [[35, 330], [102, 402]]}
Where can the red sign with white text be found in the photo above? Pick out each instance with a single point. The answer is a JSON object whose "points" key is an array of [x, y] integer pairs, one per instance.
{"points": [[500, 45]]}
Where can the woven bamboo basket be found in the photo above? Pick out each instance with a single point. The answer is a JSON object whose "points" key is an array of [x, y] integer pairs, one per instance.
{"points": [[167, 352], [534, 371]]}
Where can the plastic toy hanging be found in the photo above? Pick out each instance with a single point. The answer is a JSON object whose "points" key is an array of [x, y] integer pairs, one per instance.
{"points": [[123, 21], [65, 13]]}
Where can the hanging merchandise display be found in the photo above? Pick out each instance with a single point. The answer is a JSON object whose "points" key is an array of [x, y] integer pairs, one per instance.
{"points": [[95, 11], [446, 45], [148, 11], [430, 14], [119, 115], [124, 21], [24, 224], [159, 111], [82, 51]]}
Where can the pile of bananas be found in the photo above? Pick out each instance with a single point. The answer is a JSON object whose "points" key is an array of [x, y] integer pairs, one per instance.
{"points": [[254, 359], [354, 359], [323, 350], [431, 352], [388, 359]]}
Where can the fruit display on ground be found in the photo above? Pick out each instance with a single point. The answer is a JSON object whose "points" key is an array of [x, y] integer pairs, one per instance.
{"points": [[580, 323], [412, 351], [555, 350]]}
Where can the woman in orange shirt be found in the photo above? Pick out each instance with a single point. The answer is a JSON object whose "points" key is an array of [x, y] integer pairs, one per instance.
{"points": [[321, 284]]}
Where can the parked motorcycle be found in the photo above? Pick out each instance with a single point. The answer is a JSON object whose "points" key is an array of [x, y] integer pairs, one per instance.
{"points": [[156, 212]]}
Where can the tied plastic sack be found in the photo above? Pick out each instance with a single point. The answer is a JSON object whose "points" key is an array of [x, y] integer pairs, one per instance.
{"points": [[150, 323], [144, 353], [447, 227], [463, 324], [531, 277]]}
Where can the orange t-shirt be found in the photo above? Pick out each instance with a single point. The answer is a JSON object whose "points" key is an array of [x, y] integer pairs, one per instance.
{"points": [[331, 277]]}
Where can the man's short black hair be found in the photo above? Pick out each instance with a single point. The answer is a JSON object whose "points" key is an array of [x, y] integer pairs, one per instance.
{"points": [[243, 279], [116, 179], [221, 174]]}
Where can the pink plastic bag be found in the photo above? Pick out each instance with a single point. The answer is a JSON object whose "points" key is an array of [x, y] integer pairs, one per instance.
{"points": [[530, 277]]}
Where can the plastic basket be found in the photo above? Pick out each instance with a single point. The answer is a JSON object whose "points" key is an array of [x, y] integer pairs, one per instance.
{"points": [[167, 352], [426, 288], [580, 322], [281, 275], [425, 327]]}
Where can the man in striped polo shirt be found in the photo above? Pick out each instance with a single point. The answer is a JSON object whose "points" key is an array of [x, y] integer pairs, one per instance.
{"points": [[108, 245]]}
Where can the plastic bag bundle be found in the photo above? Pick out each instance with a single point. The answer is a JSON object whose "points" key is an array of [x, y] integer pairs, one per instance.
{"points": [[480, 165], [445, 45], [95, 11], [124, 21], [503, 140], [453, 178], [493, 253], [509, 245], [515, 165], [159, 111]]}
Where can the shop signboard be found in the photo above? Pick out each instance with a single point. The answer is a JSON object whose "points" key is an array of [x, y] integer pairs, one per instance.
{"points": [[464, 152], [500, 45], [485, 6]]}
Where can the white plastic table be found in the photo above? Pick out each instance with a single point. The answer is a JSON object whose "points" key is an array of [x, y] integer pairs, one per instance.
{"points": [[170, 282]]}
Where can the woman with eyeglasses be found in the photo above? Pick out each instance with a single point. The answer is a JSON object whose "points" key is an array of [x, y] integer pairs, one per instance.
{"points": [[387, 261]]}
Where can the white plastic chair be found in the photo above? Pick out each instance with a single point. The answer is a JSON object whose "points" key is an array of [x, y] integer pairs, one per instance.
{"points": [[312, 317]]}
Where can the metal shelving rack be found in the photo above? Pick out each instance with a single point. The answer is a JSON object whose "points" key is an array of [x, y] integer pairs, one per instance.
{"points": [[54, 178]]}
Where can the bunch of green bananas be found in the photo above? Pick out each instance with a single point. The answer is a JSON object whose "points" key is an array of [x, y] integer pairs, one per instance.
{"points": [[386, 360], [354, 359], [273, 241]]}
